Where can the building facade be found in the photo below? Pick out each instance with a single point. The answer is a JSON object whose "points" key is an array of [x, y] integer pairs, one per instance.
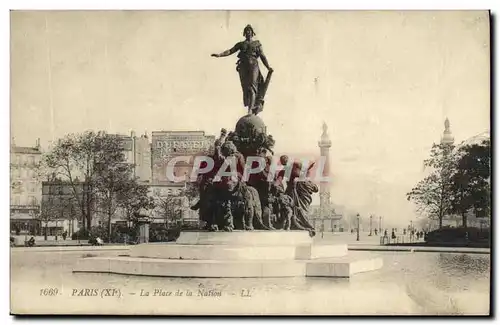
{"points": [[25, 188], [60, 210], [165, 146], [137, 150]]}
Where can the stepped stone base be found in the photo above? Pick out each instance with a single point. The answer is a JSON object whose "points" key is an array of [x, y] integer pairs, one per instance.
{"points": [[246, 238], [334, 267], [234, 254], [228, 252]]}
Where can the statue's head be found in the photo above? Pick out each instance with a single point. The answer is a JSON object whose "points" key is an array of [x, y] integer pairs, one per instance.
{"points": [[223, 132], [248, 31], [284, 160]]}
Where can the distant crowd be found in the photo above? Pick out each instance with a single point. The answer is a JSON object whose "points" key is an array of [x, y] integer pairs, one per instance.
{"points": [[412, 233]]}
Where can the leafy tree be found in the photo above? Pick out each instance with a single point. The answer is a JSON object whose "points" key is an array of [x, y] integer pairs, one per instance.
{"points": [[471, 181], [432, 195], [79, 156], [110, 183], [49, 211], [191, 191], [133, 197]]}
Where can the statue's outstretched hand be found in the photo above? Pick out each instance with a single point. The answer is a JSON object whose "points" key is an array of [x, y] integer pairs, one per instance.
{"points": [[215, 55]]}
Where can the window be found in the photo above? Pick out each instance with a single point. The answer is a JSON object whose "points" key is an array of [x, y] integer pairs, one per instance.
{"points": [[32, 200], [32, 160]]}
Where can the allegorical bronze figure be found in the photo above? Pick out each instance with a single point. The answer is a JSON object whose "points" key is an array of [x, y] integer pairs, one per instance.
{"points": [[252, 82]]}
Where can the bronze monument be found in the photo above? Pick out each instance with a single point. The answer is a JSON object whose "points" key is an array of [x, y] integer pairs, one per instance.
{"points": [[260, 202]]}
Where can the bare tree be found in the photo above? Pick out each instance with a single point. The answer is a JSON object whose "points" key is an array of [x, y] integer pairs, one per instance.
{"points": [[169, 208], [79, 156]]}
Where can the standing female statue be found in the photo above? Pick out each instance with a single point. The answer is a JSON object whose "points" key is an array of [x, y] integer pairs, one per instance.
{"points": [[252, 82]]}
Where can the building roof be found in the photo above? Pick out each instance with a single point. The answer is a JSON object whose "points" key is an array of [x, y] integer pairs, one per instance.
{"points": [[26, 150]]}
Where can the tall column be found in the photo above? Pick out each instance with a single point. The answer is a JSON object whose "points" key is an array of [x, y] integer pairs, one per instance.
{"points": [[324, 187]]}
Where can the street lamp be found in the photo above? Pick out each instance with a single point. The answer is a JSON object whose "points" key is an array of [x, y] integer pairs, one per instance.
{"points": [[357, 228], [380, 224], [371, 217], [26, 233]]}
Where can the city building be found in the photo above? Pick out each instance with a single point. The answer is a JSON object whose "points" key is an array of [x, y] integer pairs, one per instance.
{"points": [[165, 146], [172, 206], [25, 188], [138, 152], [60, 211]]}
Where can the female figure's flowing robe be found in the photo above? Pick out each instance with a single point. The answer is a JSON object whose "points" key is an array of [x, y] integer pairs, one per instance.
{"points": [[248, 68], [301, 192]]}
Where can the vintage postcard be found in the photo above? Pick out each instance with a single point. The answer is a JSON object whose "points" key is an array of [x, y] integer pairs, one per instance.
{"points": [[250, 162]]}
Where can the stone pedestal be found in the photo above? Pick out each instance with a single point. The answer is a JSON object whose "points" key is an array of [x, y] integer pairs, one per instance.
{"points": [[235, 254]]}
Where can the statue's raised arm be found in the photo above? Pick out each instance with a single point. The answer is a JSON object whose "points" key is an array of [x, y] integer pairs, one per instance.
{"points": [[231, 51], [252, 82]]}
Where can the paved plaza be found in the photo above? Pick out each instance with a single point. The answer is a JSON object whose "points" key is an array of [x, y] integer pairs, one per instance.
{"points": [[408, 284]]}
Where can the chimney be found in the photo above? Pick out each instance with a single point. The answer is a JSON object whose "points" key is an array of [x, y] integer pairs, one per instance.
{"points": [[132, 134], [38, 143]]}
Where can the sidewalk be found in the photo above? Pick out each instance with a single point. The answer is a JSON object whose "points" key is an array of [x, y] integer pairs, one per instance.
{"points": [[71, 248], [372, 243], [416, 249], [347, 238]]}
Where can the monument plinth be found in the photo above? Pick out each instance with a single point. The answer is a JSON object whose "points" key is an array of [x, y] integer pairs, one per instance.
{"points": [[234, 255]]}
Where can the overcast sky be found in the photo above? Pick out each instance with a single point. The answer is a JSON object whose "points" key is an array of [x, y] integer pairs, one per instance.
{"points": [[383, 82]]}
